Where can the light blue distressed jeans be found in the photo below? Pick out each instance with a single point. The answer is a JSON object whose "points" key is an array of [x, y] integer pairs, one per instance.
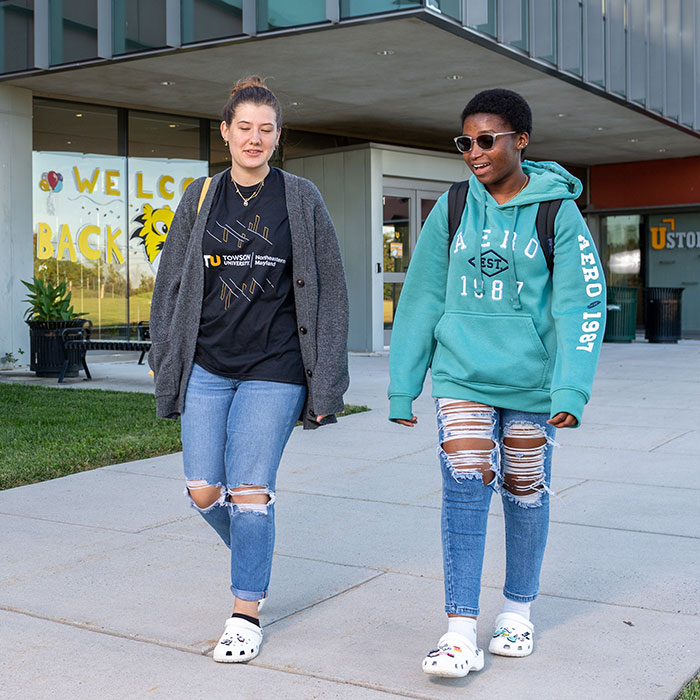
{"points": [[233, 435], [520, 473]]}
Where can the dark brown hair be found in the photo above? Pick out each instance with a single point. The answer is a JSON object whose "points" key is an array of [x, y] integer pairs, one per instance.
{"points": [[251, 89]]}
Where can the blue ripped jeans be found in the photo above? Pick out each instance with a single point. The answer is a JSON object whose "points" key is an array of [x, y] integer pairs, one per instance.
{"points": [[521, 474], [233, 435]]}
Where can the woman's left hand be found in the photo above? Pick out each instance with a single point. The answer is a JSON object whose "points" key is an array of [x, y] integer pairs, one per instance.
{"points": [[563, 420], [321, 417]]}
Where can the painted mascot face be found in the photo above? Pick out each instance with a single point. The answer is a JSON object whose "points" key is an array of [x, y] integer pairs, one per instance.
{"points": [[155, 224]]}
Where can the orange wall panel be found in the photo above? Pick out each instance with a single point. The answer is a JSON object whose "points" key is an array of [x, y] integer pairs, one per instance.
{"points": [[648, 183]]}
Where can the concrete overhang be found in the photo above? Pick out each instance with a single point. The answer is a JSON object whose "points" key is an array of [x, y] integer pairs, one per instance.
{"points": [[333, 80]]}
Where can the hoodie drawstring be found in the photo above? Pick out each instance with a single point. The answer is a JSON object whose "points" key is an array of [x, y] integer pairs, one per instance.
{"points": [[512, 273]]}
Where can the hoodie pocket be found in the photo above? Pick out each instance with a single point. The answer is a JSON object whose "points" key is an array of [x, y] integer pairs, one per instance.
{"points": [[495, 349]]}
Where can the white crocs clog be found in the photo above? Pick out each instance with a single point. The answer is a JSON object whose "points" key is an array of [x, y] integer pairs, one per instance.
{"points": [[240, 641], [512, 636], [454, 657]]}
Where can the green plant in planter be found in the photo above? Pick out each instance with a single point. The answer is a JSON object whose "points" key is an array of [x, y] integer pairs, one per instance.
{"points": [[48, 302]]}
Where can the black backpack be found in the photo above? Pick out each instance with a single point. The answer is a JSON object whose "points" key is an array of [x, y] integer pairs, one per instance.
{"points": [[547, 212]]}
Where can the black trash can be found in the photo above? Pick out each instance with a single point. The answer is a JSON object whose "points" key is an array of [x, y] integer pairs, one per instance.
{"points": [[621, 323], [662, 307], [46, 349]]}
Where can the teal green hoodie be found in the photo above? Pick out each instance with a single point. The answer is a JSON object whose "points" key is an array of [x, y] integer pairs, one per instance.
{"points": [[494, 325]]}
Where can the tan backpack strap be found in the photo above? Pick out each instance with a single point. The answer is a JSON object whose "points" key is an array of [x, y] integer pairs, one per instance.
{"points": [[203, 194]]}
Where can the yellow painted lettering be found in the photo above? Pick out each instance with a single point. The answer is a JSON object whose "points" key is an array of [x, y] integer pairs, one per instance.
{"points": [[164, 193], [140, 192], [112, 252], [110, 185], [658, 237], [65, 243], [186, 183], [44, 247], [83, 185], [84, 242]]}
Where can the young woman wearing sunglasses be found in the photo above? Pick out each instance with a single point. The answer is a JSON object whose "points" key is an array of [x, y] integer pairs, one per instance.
{"points": [[512, 348]]}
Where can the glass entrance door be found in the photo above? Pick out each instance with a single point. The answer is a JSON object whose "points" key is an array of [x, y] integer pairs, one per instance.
{"points": [[404, 212]]}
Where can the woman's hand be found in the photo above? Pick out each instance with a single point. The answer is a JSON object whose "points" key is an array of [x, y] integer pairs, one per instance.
{"points": [[563, 420], [407, 423], [321, 417]]}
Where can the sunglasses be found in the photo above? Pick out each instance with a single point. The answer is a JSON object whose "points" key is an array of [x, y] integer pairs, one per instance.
{"points": [[484, 141]]}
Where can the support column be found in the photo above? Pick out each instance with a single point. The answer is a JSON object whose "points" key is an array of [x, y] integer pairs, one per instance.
{"points": [[16, 254]]}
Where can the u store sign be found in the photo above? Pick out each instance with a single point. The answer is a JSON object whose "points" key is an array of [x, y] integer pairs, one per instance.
{"points": [[665, 237]]}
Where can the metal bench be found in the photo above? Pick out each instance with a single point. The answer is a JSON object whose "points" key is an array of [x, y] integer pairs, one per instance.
{"points": [[81, 339]]}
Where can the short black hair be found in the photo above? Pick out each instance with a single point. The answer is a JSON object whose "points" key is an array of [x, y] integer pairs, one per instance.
{"points": [[507, 104]]}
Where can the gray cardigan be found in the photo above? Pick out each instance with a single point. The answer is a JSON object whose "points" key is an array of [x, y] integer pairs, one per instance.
{"points": [[320, 297]]}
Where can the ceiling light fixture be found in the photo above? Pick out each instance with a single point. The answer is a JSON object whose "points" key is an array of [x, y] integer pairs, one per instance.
{"points": [[633, 140], [296, 104], [385, 52], [166, 82], [600, 128], [173, 126], [78, 114], [454, 76], [662, 150], [561, 115]]}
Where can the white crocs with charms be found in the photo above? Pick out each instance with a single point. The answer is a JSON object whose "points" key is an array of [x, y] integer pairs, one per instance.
{"points": [[454, 657], [240, 641], [512, 636]]}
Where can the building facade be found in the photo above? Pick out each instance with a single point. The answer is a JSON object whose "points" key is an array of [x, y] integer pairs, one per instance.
{"points": [[109, 108]]}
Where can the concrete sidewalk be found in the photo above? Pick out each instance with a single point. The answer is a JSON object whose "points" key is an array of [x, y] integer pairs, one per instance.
{"points": [[112, 588]]}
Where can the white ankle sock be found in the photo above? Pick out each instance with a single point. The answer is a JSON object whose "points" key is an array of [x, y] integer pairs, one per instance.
{"points": [[522, 609], [466, 626]]}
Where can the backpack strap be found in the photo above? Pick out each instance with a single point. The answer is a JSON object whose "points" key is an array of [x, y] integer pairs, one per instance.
{"points": [[546, 214], [456, 201], [203, 194]]}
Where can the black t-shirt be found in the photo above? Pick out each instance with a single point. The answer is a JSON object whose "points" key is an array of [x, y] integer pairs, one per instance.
{"points": [[248, 325]]}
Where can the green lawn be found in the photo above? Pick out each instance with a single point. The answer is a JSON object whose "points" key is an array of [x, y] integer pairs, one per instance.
{"points": [[691, 691], [49, 432]]}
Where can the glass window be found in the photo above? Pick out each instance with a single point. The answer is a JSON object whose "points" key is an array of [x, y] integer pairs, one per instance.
{"points": [[595, 42], [275, 14], [637, 51], [616, 47], [16, 35], [357, 8], [211, 19], [673, 59], [138, 25], [656, 57], [623, 262], [164, 156], [544, 30], [154, 135], [622, 259], [99, 217], [397, 252], [74, 127], [481, 15], [515, 25], [219, 157], [570, 36], [452, 8], [73, 30], [688, 40]]}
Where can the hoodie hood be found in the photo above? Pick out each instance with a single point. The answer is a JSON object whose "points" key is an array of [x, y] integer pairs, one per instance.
{"points": [[548, 181]]}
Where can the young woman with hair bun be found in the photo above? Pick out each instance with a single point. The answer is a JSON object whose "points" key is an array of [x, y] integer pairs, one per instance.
{"points": [[249, 325]]}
